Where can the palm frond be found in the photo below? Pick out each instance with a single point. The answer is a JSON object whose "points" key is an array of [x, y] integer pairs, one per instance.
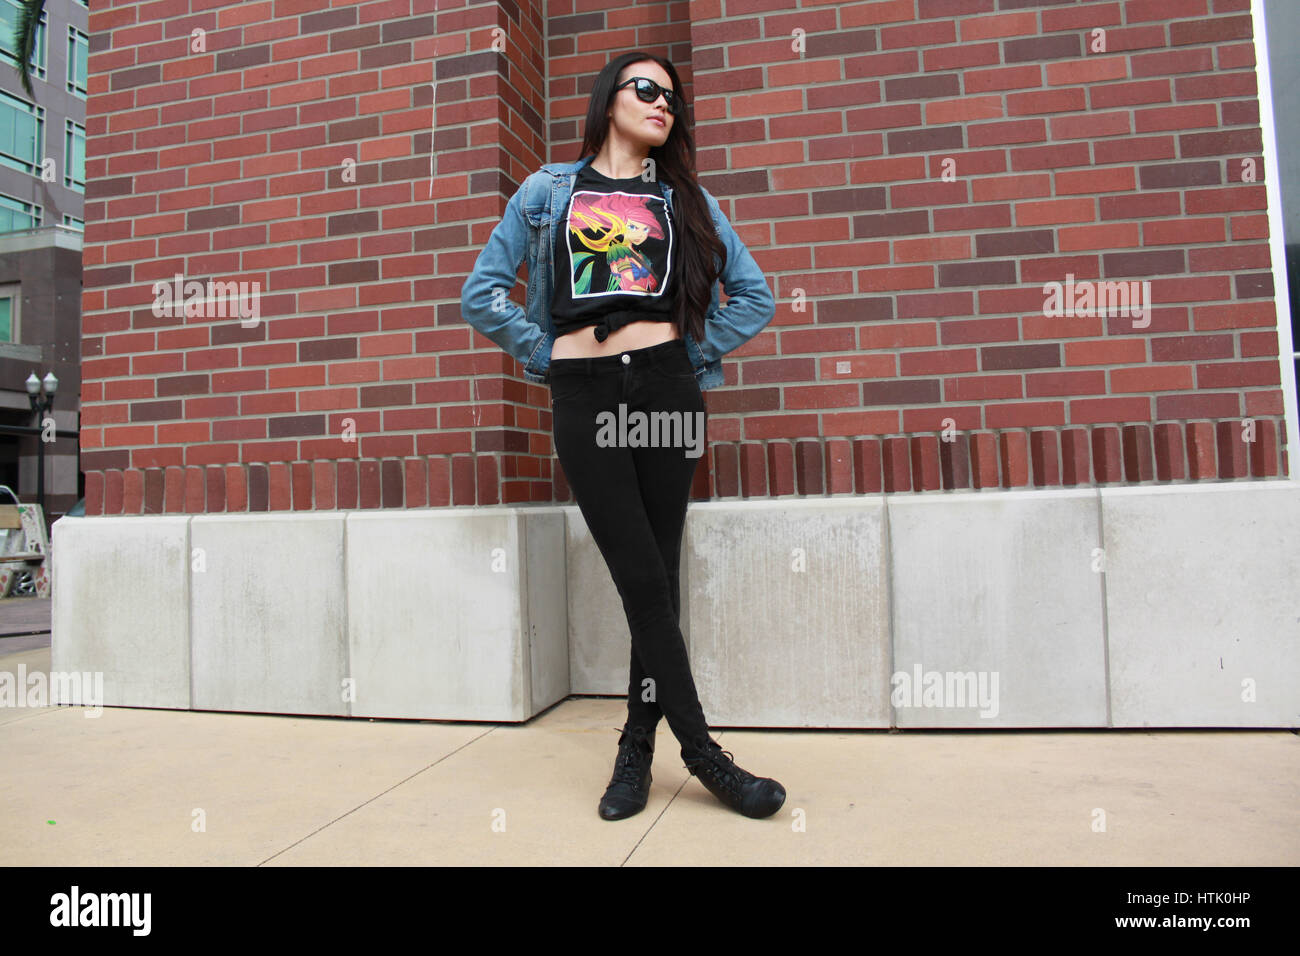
{"points": [[29, 24]]}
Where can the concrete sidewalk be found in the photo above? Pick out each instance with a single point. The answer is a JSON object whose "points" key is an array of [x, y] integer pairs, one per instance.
{"points": [[126, 788]]}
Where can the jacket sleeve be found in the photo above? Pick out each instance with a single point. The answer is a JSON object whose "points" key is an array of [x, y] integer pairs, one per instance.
{"points": [[750, 304], [485, 297]]}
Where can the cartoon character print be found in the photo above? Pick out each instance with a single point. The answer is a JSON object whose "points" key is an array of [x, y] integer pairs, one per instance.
{"points": [[614, 226]]}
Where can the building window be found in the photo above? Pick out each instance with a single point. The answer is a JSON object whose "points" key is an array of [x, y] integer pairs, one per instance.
{"points": [[72, 222], [74, 157], [78, 50], [10, 298], [21, 134], [16, 214], [9, 13]]}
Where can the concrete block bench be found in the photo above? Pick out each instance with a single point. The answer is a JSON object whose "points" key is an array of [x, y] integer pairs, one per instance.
{"points": [[452, 614], [1144, 606]]}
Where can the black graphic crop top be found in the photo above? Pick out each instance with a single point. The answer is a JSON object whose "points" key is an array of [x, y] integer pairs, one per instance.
{"points": [[616, 255]]}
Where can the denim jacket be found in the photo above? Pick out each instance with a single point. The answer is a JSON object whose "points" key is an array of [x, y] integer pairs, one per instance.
{"points": [[527, 334]]}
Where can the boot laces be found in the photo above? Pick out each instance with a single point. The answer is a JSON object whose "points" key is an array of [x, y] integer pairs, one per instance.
{"points": [[630, 763], [722, 764]]}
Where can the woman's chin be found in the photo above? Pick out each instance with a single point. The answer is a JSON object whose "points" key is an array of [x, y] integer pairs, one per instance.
{"points": [[653, 136]]}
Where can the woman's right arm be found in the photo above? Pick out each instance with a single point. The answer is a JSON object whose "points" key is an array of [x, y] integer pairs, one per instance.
{"points": [[485, 298]]}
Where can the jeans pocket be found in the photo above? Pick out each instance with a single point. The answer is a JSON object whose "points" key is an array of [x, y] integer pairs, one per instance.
{"points": [[567, 387], [676, 368]]}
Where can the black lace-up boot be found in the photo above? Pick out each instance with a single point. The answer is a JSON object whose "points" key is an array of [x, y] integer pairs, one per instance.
{"points": [[755, 797], [629, 788]]}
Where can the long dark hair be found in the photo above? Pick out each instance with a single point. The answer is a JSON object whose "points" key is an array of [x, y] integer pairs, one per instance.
{"points": [[675, 163]]}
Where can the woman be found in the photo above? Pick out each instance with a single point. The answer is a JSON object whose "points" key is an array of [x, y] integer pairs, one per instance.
{"points": [[626, 320]]}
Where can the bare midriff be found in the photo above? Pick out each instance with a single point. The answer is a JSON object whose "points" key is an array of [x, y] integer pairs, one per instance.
{"points": [[581, 343]]}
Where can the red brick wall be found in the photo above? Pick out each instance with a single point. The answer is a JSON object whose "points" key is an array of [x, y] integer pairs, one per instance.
{"points": [[1122, 164]]}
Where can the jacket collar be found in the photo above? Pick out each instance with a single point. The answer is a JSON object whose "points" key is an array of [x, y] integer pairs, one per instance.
{"points": [[568, 169]]}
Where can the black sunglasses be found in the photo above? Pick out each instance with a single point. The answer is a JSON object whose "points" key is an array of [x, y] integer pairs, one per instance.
{"points": [[647, 91]]}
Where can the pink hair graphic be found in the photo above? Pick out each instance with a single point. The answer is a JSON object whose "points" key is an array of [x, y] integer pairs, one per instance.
{"points": [[618, 222]]}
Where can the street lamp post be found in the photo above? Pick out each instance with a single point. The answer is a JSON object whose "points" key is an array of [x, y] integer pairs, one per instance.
{"points": [[41, 403]]}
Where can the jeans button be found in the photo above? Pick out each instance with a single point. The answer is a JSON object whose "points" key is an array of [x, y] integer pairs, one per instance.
{"points": [[626, 358]]}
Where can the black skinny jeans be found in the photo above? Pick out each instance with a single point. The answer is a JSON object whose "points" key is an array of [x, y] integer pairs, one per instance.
{"points": [[634, 502]]}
